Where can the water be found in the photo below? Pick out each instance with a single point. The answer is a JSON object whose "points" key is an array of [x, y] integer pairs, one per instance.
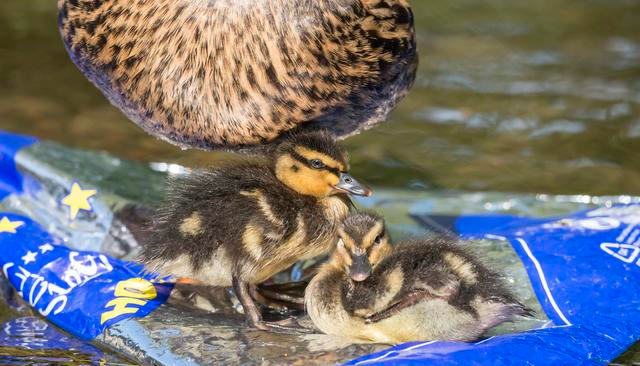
{"points": [[511, 96], [531, 97]]}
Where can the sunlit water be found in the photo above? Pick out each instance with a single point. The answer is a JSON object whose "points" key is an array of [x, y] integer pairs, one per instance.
{"points": [[539, 97]]}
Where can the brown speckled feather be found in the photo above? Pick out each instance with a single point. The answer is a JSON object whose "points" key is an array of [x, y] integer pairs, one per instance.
{"points": [[227, 73]]}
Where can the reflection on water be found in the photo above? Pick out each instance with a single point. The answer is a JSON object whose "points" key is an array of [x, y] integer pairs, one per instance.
{"points": [[31, 341], [511, 96]]}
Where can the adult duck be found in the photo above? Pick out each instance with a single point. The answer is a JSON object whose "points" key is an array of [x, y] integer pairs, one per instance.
{"points": [[230, 73]]}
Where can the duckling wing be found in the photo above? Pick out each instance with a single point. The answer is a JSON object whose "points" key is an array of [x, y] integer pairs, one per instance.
{"points": [[410, 299], [227, 74], [413, 294], [205, 211]]}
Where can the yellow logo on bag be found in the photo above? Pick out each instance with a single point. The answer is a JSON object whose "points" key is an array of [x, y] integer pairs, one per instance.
{"points": [[130, 296]]}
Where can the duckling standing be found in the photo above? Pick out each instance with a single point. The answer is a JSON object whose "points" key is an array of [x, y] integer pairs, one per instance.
{"points": [[241, 224], [227, 73], [426, 289]]}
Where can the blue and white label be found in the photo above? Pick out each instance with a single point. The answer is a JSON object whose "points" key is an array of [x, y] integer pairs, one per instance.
{"points": [[81, 292]]}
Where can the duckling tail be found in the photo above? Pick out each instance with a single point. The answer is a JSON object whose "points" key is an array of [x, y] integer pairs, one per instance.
{"points": [[492, 314]]}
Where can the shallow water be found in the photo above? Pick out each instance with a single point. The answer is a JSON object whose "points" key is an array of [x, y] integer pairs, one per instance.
{"points": [[536, 97]]}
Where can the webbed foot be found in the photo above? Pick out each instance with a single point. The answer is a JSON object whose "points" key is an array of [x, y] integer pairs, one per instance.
{"points": [[287, 326]]}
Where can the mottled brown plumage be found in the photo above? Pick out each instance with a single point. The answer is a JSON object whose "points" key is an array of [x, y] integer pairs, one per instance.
{"points": [[430, 288], [227, 73]]}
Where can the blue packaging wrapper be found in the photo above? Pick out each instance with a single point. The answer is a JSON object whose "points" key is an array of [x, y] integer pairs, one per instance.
{"points": [[81, 292], [10, 179]]}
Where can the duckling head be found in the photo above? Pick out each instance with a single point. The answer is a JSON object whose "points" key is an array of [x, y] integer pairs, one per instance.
{"points": [[314, 164], [363, 243]]}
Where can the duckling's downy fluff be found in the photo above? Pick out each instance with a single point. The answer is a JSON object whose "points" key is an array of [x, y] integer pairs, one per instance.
{"points": [[239, 225], [224, 73], [425, 289]]}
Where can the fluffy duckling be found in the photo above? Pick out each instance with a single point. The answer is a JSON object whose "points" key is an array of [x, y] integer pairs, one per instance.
{"points": [[227, 73], [240, 224], [425, 289]]}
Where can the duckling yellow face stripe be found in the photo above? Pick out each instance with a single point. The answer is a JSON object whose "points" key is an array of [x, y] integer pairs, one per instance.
{"points": [[376, 230], [303, 179], [326, 159]]}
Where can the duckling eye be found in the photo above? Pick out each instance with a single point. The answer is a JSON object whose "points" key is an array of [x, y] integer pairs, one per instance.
{"points": [[317, 164], [378, 239]]}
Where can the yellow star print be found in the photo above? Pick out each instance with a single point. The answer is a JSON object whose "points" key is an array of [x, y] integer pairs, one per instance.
{"points": [[7, 226], [78, 199]]}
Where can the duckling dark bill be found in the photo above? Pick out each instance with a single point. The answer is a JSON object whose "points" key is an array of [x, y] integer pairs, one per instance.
{"points": [[348, 184]]}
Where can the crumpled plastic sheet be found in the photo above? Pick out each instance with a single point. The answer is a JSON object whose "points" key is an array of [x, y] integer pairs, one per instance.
{"points": [[174, 335]]}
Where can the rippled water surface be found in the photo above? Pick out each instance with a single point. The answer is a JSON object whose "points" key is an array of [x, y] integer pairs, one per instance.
{"points": [[540, 96]]}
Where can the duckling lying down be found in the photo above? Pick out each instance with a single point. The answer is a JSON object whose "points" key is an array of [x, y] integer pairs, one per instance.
{"points": [[239, 225], [425, 289]]}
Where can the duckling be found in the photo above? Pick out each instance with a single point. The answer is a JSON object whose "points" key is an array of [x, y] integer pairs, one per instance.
{"points": [[427, 288], [240, 224], [227, 73]]}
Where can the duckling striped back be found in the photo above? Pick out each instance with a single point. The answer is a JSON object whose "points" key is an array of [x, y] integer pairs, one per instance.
{"points": [[224, 73]]}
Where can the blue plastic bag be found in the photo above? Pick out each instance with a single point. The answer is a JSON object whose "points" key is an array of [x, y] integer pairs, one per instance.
{"points": [[81, 292]]}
